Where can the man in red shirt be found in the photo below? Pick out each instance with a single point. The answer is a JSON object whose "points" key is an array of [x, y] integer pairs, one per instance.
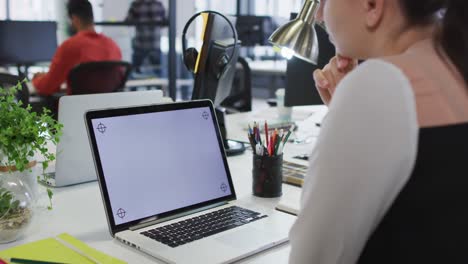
{"points": [[85, 46]]}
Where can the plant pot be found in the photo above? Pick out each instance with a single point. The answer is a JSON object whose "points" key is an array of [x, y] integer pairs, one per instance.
{"points": [[16, 205], [28, 176]]}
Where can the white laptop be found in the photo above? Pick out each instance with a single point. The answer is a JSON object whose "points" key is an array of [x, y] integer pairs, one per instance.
{"points": [[167, 188], [74, 162]]}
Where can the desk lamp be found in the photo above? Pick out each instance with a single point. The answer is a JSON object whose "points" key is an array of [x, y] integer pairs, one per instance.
{"points": [[298, 37]]}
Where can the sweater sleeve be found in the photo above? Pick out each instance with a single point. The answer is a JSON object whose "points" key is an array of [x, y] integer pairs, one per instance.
{"points": [[363, 157], [62, 63]]}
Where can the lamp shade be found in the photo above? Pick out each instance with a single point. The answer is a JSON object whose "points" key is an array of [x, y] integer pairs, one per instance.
{"points": [[298, 37]]}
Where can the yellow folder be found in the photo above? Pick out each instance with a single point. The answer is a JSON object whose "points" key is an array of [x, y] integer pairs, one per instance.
{"points": [[205, 22], [53, 250]]}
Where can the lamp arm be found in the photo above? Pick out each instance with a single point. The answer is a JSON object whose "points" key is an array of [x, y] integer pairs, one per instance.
{"points": [[309, 10]]}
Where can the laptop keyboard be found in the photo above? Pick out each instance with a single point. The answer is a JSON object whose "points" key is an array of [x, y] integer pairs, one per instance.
{"points": [[198, 227]]}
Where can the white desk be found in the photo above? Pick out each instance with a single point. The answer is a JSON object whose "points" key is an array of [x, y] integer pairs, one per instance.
{"points": [[157, 81], [306, 118], [277, 68], [274, 70], [268, 67], [32, 89], [164, 82], [78, 210]]}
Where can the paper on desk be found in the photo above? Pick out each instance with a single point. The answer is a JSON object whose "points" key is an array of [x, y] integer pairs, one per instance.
{"points": [[290, 203], [271, 114], [51, 250], [237, 124], [299, 116]]}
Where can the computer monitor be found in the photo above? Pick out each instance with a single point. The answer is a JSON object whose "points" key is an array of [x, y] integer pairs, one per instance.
{"points": [[212, 81], [300, 84], [207, 83], [27, 42], [217, 41], [254, 30]]}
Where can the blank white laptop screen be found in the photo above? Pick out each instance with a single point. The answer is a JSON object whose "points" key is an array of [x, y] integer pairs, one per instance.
{"points": [[169, 170]]}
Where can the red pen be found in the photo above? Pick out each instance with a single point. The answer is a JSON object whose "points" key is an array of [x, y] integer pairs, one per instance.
{"points": [[269, 145], [266, 132], [273, 141]]}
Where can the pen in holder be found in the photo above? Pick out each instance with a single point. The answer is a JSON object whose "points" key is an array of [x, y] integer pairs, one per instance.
{"points": [[267, 170], [267, 173]]}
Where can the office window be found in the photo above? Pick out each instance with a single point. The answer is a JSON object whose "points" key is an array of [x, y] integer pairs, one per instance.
{"points": [[98, 9], [277, 8], [225, 7], [284, 9], [2, 9], [264, 7], [33, 10]]}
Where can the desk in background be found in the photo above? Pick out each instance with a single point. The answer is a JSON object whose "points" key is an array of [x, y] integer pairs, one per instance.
{"points": [[275, 70], [163, 82], [78, 209], [305, 117], [164, 23], [268, 67]]}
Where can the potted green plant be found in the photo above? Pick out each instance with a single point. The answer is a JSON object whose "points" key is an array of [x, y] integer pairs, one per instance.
{"points": [[23, 133]]}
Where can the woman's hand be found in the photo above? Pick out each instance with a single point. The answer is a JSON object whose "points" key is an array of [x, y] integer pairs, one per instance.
{"points": [[328, 78]]}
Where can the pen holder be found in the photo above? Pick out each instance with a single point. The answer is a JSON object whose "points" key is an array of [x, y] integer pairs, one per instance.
{"points": [[267, 175]]}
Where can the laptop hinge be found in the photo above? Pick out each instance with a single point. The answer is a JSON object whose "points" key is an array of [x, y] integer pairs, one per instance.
{"points": [[146, 223]]}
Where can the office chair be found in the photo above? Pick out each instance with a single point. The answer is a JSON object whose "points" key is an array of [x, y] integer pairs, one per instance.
{"points": [[9, 80], [240, 99], [99, 77]]}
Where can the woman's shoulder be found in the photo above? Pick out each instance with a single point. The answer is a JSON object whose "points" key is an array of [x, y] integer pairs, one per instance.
{"points": [[419, 63], [379, 66], [375, 75], [372, 86]]}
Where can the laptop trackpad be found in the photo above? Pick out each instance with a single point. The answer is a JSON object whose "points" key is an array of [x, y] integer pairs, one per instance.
{"points": [[247, 238]]}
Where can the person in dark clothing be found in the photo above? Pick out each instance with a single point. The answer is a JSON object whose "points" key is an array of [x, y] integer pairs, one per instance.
{"points": [[146, 43]]}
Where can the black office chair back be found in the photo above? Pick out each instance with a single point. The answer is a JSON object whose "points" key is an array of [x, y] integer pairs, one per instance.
{"points": [[240, 99], [9, 80], [99, 77]]}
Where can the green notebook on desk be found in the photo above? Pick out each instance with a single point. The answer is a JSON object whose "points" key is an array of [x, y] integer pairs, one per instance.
{"points": [[62, 249]]}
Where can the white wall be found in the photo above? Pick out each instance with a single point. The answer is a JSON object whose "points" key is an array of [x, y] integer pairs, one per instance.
{"points": [[113, 10], [62, 19], [116, 10]]}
